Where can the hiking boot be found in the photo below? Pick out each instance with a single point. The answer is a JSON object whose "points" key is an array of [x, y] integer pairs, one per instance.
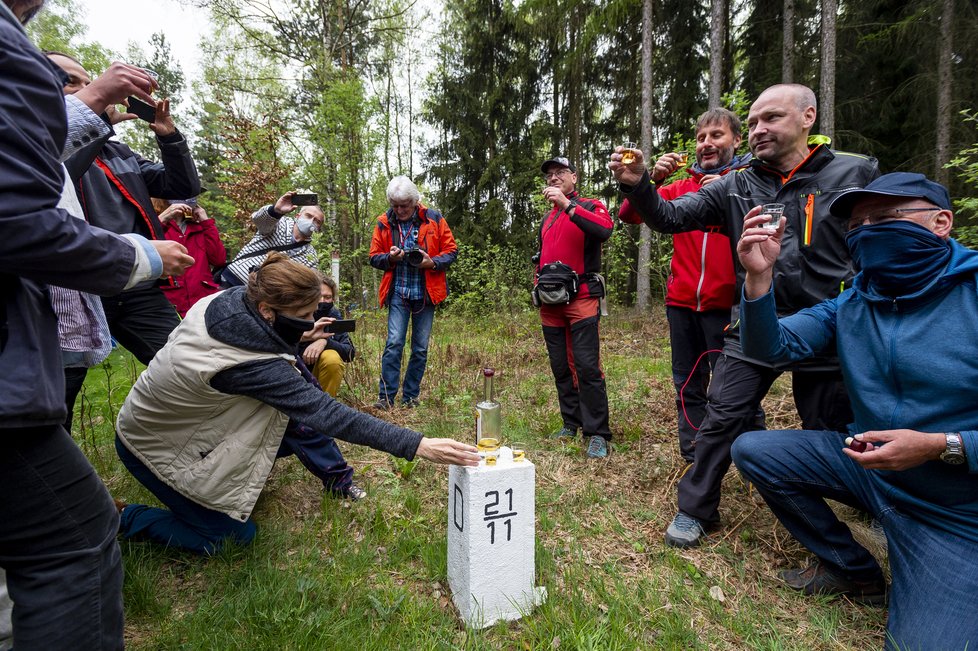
{"points": [[352, 492], [383, 404], [818, 579], [684, 531], [597, 448], [411, 404], [563, 433]]}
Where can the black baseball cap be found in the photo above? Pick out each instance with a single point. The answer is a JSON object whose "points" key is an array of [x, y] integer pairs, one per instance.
{"points": [[558, 160], [896, 184]]}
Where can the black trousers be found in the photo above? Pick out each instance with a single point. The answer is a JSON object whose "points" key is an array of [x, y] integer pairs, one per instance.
{"points": [[58, 543], [732, 403], [691, 334], [584, 402]]}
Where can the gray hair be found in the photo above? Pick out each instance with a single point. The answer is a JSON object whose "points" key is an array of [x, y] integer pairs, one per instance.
{"points": [[401, 188]]}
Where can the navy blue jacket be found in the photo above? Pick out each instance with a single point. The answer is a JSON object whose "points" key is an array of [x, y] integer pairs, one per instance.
{"points": [[40, 244], [909, 363]]}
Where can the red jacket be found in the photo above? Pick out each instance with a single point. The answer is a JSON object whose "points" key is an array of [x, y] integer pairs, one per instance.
{"points": [[576, 241], [434, 236], [203, 244], [701, 274]]}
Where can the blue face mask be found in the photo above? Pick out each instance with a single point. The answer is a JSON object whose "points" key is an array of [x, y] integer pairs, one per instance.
{"points": [[897, 258]]}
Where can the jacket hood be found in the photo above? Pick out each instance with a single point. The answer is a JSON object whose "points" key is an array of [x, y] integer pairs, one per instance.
{"points": [[963, 262], [231, 319], [736, 162]]}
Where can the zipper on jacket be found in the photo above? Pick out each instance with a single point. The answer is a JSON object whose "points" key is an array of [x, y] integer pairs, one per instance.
{"points": [[699, 285], [809, 216]]}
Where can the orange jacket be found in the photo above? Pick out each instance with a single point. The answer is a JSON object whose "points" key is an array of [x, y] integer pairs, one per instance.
{"points": [[434, 236]]}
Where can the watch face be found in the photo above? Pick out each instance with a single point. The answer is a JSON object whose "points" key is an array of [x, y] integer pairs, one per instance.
{"points": [[953, 458]]}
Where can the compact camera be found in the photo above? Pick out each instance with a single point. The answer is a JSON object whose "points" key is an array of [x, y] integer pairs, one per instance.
{"points": [[414, 256]]}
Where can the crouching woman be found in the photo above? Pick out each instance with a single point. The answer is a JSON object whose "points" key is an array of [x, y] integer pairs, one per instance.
{"points": [[202, 425]]}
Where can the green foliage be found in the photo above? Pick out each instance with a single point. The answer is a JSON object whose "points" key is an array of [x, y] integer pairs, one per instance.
{"points": [[489, 280], [966, 207], [61, 27]]}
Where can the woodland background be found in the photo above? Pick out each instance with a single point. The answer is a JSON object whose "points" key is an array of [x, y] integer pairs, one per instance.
{"points": [[469, 96]]}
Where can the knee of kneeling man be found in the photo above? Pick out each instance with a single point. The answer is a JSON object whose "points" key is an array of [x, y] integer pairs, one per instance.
{"points": [[747, 449]]}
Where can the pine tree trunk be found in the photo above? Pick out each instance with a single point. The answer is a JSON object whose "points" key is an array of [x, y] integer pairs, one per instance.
{"points": [[642, 294], [826, 91], [788, 43], [718, 37], [944, 81]]}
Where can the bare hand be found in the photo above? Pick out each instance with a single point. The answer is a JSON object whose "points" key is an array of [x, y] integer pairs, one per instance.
{"points": [[163, 124], [707, 179], [556, 197], [175, 210], [119, 81], [175, 258], [665, 166], [905, 448], [313, 351], [427, 262], [759, 247], [318, 330], [284, 203], [631, 173], [116, 116], [200, 214], [395, 255], [448, 451]]}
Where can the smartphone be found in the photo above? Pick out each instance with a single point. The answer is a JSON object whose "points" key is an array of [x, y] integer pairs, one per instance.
{"points": [[341, 325], [310, 199], [142, 110]]}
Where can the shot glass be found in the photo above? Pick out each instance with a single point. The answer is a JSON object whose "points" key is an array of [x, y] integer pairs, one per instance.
{"points": [[773, 212], [628, 152], [683, 158]]}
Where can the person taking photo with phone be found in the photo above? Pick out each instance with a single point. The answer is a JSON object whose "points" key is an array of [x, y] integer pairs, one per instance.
{"points": [[277, 231]]}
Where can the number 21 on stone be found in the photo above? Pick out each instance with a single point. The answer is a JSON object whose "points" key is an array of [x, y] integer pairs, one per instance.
{"points": [[492, 514]]}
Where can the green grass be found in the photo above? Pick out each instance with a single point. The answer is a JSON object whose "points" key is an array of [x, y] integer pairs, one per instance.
{"points": [[327, 574]]}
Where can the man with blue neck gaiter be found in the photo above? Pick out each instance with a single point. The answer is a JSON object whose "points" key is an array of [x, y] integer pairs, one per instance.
{"points": [[906, 338]]}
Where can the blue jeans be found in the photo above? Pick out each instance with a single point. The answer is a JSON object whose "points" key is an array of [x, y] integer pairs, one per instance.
{"points": [[935, 573], [422, 314], [186, 524], [319, 454], [58, 543], [196, 528]]}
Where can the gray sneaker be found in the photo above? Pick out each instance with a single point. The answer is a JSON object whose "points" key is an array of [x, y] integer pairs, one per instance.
{"points": [[563, 433], [684, 531], [597, 448]]}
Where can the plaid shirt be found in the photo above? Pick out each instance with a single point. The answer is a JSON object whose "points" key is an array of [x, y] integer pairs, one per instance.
{"points": [[408, 280]]}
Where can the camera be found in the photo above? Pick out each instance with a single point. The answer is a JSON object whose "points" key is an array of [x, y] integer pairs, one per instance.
{"points": [[414, 256]]}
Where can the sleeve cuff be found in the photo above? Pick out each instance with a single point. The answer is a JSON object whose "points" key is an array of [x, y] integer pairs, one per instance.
{"points": [[149, 264], [84, 125], [970, 440]]}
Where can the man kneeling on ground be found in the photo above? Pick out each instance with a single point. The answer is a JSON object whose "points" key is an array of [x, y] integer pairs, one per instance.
{"points": [[906, 337]]}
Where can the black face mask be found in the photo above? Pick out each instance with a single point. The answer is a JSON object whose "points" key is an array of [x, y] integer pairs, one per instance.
{"points": [[325, 309], [291, 329]]}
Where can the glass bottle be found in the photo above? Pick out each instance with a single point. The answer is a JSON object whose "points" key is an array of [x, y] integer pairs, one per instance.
{"points": [[488, 421]]}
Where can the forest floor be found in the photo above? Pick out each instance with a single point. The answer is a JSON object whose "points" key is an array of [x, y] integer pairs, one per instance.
{"points": [[334, 574]]}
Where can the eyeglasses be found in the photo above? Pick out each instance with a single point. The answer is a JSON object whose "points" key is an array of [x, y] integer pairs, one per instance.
{"points": [[884, 216], [556, 173]]}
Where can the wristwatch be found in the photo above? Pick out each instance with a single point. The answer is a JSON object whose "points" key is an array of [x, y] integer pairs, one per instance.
{"points": [[954, 452], [570, 206]]}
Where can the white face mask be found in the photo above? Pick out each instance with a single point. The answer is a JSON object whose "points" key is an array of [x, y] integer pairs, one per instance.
{"points": [[306, 226]]}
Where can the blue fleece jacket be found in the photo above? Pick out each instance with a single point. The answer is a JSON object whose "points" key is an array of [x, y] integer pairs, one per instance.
{"points": [[909, 362]]}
